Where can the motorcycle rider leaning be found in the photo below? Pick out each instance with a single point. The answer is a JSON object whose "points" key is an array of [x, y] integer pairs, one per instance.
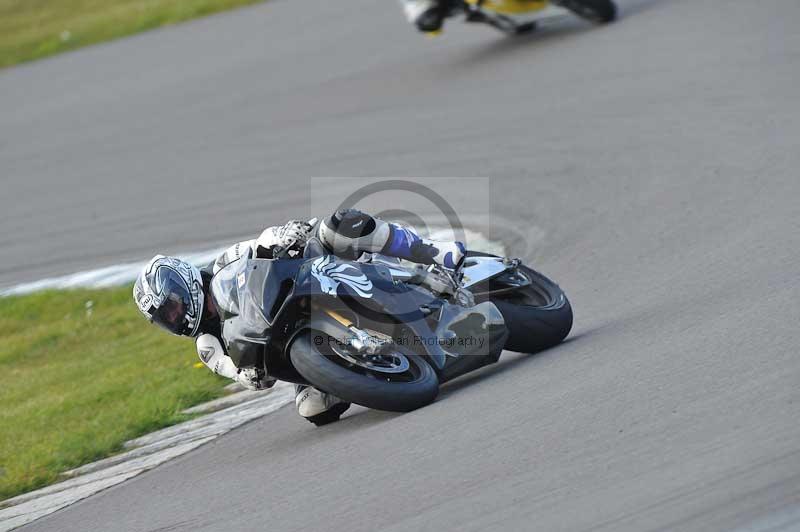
{"points": [[175, 294]]}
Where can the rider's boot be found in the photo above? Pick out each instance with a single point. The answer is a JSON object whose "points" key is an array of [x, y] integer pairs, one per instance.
{"points": [[318, 407], [350, 232], [427, 15]]}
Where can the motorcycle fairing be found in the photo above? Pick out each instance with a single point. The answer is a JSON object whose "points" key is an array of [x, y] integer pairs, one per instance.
{"points": [[389, 301], [512, 7], [249, 295], [473, 336], [252, 296], [475, 333]]}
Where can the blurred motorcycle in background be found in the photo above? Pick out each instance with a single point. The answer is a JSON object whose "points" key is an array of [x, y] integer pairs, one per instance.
{"points": [[509, 16]]}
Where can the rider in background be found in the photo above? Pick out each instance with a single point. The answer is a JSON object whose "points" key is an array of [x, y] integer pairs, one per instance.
{"points": [[429, 15], [176, 295]]}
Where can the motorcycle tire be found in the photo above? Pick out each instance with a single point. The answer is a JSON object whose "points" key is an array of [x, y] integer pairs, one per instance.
{"points": [[599, 11], [324, 369]]}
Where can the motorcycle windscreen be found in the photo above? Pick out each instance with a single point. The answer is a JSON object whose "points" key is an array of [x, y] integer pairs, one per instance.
{"points": [[225, 290], [249, 295], [256, 288], [245, 331]]}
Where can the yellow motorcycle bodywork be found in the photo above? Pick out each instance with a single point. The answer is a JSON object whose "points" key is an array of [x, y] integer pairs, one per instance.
{"points": [[512, 7]]}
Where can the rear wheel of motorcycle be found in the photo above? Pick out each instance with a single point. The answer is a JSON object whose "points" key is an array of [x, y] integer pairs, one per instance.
{"points": [[316, 361], [538, 316], [599, 11]]}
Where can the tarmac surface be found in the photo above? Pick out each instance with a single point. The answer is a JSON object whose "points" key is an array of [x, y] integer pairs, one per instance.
{"points": [[650, 167]]}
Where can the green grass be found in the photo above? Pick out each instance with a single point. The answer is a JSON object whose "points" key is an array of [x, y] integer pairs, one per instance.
{"points": [[32, 29], [74, 385]]}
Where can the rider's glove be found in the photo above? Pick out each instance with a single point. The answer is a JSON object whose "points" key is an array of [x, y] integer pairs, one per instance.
{"points": [[253, 379], [293, 233]]}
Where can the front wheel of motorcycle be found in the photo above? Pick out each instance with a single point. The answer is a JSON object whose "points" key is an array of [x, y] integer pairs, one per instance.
{"points": [[399, 381], [598, 11]]}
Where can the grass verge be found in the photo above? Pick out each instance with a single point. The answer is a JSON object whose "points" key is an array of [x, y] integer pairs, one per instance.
{"points": [[32, 29], [77, 381]]}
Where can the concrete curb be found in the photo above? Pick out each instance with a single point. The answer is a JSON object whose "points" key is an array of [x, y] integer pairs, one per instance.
{"points": [[145, 453]]}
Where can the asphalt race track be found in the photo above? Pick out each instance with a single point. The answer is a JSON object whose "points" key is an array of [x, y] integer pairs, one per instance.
{"points": [[656, 158]]}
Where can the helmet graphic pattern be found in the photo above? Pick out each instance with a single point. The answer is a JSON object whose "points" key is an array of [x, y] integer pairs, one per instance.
{"points": [[159, 280]]}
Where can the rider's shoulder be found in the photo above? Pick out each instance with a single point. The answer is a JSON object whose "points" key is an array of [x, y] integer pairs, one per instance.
{"points": [[233, 253]]}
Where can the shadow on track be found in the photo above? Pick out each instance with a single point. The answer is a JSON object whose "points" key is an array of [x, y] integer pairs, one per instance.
{"points": [[511, 362], [505, 46], [634, 7], [362, 417], [551, 32]]}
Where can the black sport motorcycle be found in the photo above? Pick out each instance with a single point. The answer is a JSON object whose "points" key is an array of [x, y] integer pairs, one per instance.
{"points": [[378, 331]]}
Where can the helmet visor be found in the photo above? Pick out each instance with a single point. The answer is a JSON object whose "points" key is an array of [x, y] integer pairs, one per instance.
{"points": [[177, 305]]}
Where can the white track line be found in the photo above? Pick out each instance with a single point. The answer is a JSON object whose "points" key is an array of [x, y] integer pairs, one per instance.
{"points": [[121, 274], [116, 275]]}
